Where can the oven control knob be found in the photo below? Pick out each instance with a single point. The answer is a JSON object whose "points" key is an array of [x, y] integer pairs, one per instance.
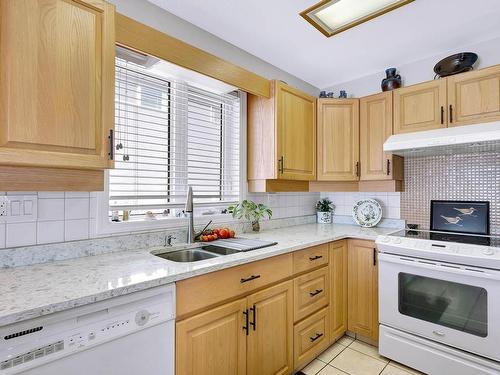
{"points": [[488, 251], [142, 317], [396, 241], [385, 239]]}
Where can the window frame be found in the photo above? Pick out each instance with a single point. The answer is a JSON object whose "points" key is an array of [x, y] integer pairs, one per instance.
{"points": [[105, 227]]}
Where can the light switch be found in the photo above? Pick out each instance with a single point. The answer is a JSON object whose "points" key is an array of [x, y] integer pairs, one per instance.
{"points": [[15, 208]]}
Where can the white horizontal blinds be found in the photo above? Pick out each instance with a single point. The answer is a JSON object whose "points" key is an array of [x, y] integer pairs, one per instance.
{"points": [[169, 135]]}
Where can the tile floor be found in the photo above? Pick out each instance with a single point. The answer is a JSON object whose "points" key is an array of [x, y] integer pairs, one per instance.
{"points": [[353, 357]]}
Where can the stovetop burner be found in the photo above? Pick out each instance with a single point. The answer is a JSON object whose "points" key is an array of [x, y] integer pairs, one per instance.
{"points": [[449, 237]]}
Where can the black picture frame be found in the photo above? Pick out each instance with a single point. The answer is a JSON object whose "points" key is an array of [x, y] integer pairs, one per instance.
{"points": [[467, 223]]}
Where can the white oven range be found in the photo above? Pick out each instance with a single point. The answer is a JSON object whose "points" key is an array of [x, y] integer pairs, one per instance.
{"points": [[439, 301]]}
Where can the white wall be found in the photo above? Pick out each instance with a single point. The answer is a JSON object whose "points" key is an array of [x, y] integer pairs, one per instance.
{"points": [[419, 71], [160, 19]]}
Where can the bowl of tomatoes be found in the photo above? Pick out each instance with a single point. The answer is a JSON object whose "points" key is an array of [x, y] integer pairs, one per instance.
{"points": [[216, 234]]}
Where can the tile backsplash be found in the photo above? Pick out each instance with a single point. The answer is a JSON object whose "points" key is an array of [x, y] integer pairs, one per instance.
{"points": [[344, 202], [61, 216], [71, 216], [467, 177]]}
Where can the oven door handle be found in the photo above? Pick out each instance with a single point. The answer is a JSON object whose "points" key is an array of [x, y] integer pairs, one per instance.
{"points": [[482, 273]]}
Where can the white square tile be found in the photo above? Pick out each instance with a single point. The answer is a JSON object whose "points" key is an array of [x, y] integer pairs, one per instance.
{"points": [[314, 367], [393, 213], [21, 193], [394, 200], [93, 208], [77, 194], [2, 236], [51, 194], [50, 231], [76, 208], [20, 234], [354, 362], [76, 230], [50, 209]]}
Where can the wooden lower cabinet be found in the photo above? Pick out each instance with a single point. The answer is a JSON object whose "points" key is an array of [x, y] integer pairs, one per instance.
{"points": [[213, 342], [338, 289], [270, 341], [311, 337], [362, 297]]}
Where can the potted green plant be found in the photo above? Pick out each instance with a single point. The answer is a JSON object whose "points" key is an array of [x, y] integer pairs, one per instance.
{"points": [[251, 211], [324, 209]]}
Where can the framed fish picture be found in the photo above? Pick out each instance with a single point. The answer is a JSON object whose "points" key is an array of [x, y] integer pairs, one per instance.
{"points": [[468, 217]]}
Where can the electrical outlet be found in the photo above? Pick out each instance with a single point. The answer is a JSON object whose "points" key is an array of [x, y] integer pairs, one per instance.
{"points": [[3, 206]]}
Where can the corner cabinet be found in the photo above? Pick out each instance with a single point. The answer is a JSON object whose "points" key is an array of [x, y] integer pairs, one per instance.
{"points": [[362, 284], [420, 107], [474, 97], [375, 128], [281, 140], [338, 139], [57, 83]]}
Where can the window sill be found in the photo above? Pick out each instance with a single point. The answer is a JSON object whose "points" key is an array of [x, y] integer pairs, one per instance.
{"points": [[106, 227]]}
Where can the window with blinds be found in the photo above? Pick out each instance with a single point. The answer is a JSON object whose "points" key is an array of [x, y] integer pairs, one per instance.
{"points": [[169, 135]]}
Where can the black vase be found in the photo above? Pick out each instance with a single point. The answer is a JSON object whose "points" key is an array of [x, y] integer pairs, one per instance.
{"points": [[392, 81]]}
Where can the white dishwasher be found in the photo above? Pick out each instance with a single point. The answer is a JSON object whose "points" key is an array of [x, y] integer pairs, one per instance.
{"points": [[127, 335]]}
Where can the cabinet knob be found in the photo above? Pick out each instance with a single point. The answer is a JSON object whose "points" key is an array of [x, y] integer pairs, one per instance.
{"points": [[314, 338], [245, 280], [315, 257], [316, 292]]}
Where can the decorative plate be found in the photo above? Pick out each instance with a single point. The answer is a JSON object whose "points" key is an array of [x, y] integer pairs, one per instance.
{"points": [[367, 212]]}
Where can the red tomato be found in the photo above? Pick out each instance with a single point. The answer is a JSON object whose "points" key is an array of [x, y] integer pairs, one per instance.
{"points": [[224, 233], [231, 233]]}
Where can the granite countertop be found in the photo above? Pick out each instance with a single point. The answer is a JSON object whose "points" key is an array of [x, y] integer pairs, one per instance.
{"points": [[33, 291]]}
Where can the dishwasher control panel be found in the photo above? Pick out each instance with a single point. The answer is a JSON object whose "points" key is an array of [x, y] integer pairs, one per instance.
{"points": [[55, 340]]}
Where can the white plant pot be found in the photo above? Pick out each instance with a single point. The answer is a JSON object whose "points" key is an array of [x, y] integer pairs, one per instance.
{"points": [[324, 217]]}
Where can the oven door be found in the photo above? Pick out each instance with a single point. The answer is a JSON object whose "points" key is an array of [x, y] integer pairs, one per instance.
{"points": [[452, 304]]}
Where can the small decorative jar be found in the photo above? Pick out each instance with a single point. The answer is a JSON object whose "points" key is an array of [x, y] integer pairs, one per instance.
{"points": [[392, 81]]}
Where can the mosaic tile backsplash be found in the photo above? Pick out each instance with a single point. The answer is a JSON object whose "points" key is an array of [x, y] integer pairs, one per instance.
{"points": [[473, 177]]}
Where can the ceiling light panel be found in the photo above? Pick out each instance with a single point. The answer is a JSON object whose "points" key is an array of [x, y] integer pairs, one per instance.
{"points": [[334, 16]]}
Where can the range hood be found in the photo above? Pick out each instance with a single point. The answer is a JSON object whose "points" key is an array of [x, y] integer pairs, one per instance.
{"points": [[455, 140]]}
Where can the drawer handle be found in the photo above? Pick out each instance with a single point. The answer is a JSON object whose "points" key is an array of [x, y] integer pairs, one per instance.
{"points": [[253, 277], [318, 335], [315, 257], [316, 292]]}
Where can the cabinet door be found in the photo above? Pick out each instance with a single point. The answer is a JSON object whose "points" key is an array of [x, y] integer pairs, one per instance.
{"points": [[474, 97], [57, 83], [270, 342], [338, 139], [338, 289], [363, 289], [420, 107], [375, 128], [296, 133], [213, 342]]}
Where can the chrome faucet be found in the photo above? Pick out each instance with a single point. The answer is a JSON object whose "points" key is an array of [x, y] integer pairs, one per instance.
{"points": [[192, 236], [189, 214]]}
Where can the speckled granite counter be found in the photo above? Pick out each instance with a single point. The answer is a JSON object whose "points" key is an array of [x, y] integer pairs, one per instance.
{"points": [[33, 291]]}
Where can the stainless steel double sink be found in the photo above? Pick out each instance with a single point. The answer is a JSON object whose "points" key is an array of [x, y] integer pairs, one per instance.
{"points": [[194, 254]]}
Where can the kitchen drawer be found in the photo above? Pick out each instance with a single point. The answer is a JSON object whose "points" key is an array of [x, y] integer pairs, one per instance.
{"points": [[310, 258], [200, 292], [311, 293], [310, 337]]}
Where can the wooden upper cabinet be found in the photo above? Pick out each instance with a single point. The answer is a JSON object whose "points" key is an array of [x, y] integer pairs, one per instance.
{"points": [[338, 139], [281, 140], [296, 133], [362, 288], [57, 83], [214, 342], [474, 97], [270, 342], [375, 128], [420, 107]]}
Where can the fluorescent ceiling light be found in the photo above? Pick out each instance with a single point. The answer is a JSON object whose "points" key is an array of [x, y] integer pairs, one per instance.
{"points": [[334, 16]]}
